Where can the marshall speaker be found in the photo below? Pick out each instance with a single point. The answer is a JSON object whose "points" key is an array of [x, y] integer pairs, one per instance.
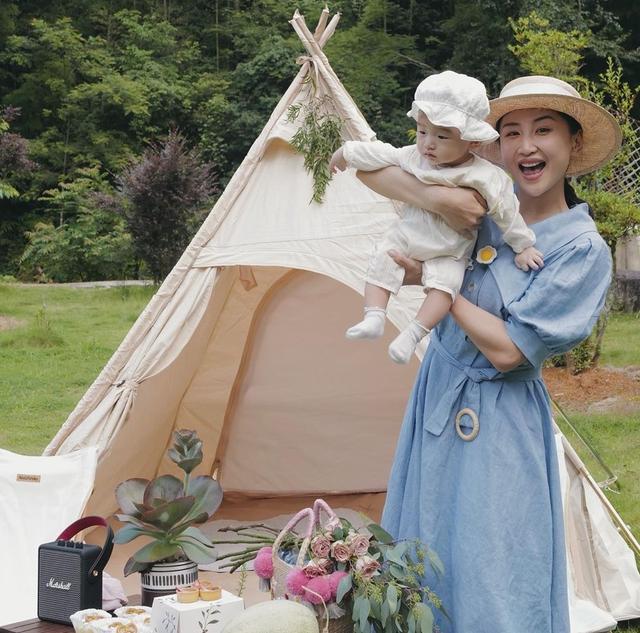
{"points": [[70, 573]]}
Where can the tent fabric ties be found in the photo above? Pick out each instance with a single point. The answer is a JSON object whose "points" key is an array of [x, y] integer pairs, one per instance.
{"points": [[464, 394]]}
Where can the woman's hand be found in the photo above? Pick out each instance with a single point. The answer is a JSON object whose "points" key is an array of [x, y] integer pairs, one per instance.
{"points": [[412, 268], [462, 209]]}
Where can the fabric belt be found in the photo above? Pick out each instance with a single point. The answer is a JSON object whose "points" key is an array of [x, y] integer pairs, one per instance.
{"points": [[465, 393]]}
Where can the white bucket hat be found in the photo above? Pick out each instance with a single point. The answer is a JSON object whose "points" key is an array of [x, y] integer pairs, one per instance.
{"points": [[601, 134], [451, 99]]}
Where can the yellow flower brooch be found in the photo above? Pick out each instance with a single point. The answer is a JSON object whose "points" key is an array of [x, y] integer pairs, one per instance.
{"points": [[486, 254]]}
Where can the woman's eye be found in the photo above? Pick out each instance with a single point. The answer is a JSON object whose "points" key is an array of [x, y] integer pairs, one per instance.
{"points": [[544, 130], [509, 133], [443, 138]]}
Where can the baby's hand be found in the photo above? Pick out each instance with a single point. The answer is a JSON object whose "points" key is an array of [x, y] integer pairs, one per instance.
{"points": [[529, 258], [337, 163]]}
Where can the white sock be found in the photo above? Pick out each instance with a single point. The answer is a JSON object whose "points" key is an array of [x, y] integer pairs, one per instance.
{"points": [[404, 345], [372, 326]]}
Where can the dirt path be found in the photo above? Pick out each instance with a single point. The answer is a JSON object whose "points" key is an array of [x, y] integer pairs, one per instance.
{"points": [[8, 323], [602, 389]]}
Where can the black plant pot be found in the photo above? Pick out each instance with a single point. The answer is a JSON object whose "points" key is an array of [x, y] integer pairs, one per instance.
{"points": [[162, 579]]}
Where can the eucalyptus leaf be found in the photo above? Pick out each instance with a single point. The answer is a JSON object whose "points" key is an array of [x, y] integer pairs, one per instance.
{"points": [[392, 598], [344, 587], [380, 534], [363, 615], [436, 563], [426, 618]]}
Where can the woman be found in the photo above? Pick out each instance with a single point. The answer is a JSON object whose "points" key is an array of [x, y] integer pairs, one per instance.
{"points": [[475, 474]]}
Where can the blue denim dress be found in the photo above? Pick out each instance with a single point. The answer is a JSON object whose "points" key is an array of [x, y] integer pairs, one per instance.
{"points": [[491, 507]]}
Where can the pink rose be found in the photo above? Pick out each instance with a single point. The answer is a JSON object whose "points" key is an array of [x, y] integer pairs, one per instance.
{"points": [[312, 569], [341, 551], [325, 564], [359, 543], [321, 546], [367, 566]]}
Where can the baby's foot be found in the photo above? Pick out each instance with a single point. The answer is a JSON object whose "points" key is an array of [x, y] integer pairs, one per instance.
{"points": [[372, 326], [404, 345]]}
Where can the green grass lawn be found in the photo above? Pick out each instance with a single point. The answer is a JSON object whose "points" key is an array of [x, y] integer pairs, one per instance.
{"points": [[67, 335], [47, 364]]}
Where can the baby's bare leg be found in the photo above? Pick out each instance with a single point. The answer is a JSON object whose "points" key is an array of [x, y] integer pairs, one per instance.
{"points": [[375, 307], [433, 309]]}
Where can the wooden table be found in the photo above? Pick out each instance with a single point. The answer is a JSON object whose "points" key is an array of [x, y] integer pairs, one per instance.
{"points": [[35, 626]]}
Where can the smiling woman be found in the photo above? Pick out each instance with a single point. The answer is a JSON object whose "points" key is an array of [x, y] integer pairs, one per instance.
{"points": [[483, 490]]}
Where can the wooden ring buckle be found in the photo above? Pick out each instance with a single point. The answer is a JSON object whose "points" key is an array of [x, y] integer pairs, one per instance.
{"points": [[467, 437]]}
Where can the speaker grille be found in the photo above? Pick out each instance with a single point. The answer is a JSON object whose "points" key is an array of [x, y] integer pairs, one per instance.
{"points": [[62, 568]]}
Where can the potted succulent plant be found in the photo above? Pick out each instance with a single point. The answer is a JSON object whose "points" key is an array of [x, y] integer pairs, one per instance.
{"points": [[167, 510]]}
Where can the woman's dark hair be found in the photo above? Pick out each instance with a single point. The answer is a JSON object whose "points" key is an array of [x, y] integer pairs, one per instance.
{"points": [[570, 195]]}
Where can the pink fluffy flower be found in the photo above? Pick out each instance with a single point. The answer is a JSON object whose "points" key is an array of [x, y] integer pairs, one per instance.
{"points": [[318, 590], [296, 581], [263, 564], [334, 582]]}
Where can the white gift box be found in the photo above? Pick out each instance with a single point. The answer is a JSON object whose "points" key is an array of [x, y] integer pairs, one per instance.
{"points": [[203, 616]]}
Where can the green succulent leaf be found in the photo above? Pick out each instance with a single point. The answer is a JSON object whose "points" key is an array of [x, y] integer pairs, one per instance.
{"points": [[128, 533], [197, 535], [187, 450], [162, 490], [208, 495], [130, 495], [167, 516], [156, 551], [133, 565], [196, 551]]}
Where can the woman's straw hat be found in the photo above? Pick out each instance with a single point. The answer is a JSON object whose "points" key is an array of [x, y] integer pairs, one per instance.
{"points": [[601, 133]]}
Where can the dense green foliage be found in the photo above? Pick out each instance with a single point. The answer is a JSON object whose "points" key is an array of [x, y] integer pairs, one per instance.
{"points": [[90, 85]]}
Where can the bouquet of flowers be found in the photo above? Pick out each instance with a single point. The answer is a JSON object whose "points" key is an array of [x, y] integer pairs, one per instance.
{"points": [[336, 569]]}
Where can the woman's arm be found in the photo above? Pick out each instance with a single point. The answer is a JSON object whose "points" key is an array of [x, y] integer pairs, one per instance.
{"points": [[461, 208], [488, 333]]}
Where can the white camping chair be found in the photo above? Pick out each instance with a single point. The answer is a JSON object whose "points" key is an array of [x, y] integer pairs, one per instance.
{"points": [[39, 497]]}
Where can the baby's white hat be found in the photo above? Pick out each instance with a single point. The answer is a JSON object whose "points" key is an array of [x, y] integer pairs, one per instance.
{"points": [[451, 99]]}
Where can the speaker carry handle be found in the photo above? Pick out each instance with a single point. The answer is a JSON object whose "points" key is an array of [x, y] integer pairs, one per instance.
{"points": [[82, 524]]}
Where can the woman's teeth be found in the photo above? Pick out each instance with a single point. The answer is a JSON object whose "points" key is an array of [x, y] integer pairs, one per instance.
{"points": [[532, 168]]}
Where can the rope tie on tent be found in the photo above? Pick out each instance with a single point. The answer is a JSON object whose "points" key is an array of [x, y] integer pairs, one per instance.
{"points": [[313, 67], [130, 385]]}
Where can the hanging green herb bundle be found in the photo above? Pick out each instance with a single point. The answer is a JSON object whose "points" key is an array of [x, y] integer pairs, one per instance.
{"points": [[317, 138]]}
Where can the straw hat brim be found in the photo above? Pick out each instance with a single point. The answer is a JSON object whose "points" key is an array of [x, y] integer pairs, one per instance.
{"points": [[601, 134]]}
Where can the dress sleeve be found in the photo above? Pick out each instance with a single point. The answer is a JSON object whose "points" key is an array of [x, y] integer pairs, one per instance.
{"points": [[562, 303], [369, 156]]}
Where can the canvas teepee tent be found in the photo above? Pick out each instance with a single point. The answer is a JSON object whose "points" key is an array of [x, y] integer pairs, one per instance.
{"points": [[244, 343]]}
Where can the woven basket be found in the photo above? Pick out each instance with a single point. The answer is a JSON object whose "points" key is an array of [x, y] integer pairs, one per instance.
{"points": [[281, 568]]}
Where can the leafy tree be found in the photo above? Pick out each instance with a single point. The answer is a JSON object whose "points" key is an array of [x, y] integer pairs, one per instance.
{"points": [[89, 240], [165, 192], [544, 50]]}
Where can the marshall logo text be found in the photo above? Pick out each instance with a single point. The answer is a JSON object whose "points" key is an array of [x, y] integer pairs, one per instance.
{"points": [[58, 584]]}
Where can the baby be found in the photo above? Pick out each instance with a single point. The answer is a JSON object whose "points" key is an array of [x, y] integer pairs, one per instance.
{"points": [[449, 109]]}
